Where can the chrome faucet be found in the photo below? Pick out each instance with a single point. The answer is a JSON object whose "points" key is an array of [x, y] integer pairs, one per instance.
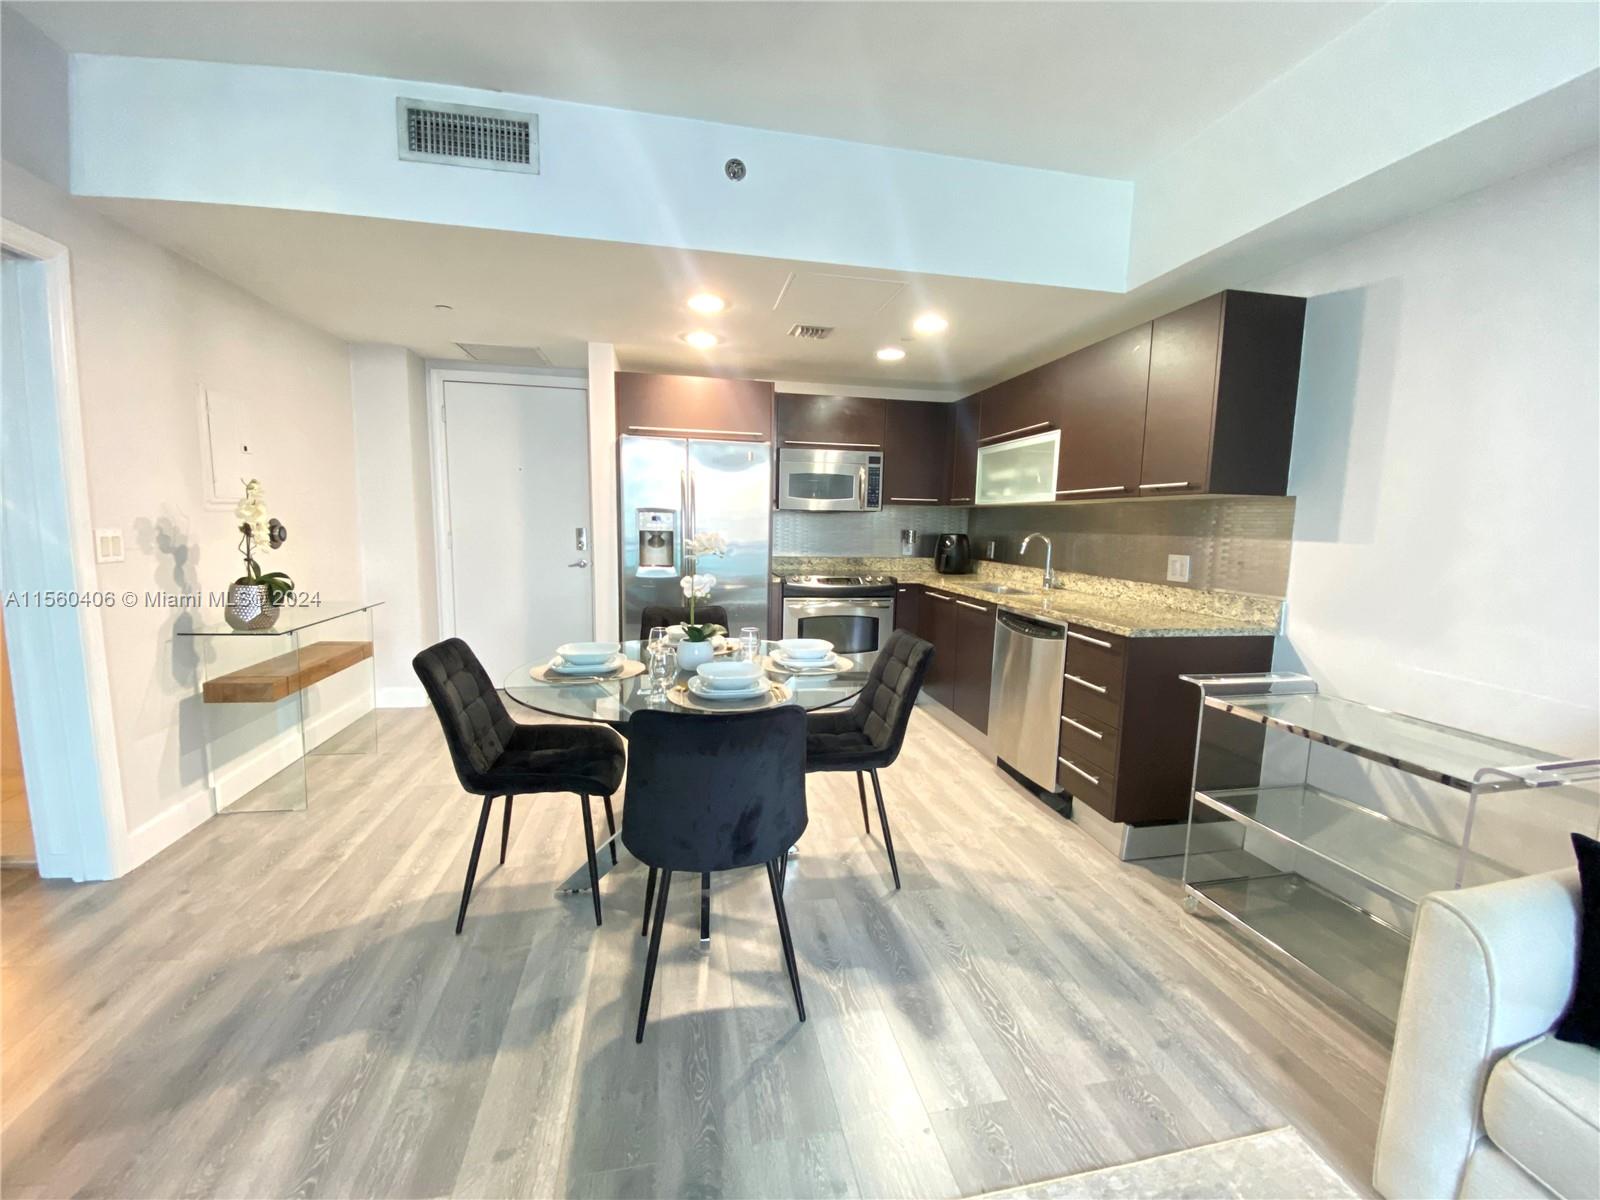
{"points": [[1049, 552]]}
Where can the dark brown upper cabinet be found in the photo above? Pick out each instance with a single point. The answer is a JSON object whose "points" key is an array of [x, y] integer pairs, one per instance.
{"points": [[830, 422], [693, 406], [963, 451], [916, 452], [1025, 404], [1219, 413], [1102, 416]]}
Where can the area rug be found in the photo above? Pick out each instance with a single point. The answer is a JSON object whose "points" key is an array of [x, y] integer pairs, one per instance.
{"points": [[1275, 1165]]}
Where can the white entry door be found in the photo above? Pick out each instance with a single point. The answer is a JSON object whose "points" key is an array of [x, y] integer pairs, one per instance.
{"points": [[517, 457]]}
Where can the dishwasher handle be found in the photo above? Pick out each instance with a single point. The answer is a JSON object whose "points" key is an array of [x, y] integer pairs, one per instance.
{"points": [[1034, 629]]}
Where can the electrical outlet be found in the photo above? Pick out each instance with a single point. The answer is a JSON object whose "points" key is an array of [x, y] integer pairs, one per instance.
{"points": [[108, 545], [1178, 568]]}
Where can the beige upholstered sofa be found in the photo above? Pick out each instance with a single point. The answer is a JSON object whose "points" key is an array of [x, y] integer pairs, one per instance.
{"points": [[1482, 1102]]}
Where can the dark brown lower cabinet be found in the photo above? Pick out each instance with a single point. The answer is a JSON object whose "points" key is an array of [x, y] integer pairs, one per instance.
{"points": [[974, 662], [1128, 720], [908, 609], [939, 627]]}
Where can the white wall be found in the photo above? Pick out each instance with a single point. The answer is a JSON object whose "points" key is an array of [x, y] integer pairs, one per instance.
{"points": [[1447, 534], [606, 555], [388, 391], [152, 331]]}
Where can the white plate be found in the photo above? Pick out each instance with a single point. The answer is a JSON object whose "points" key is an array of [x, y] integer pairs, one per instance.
{"points": [[588, 653], [831, 665], [698, 687], [559, 667]]}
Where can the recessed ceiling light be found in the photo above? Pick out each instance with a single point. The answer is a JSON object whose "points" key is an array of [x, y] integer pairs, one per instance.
{"points": [[701, 339], [891, 354], [930, 323], [707, 303]]}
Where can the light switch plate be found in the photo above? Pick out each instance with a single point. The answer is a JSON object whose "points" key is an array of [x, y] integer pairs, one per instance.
{"points": [[1178, 568], [108, 545]]}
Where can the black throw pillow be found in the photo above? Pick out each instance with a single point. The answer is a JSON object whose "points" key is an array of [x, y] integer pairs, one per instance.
{"points": [[1581, 1021]]}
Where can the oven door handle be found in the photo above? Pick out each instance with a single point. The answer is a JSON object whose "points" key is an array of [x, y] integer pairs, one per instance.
{"points": [[799, 602]]}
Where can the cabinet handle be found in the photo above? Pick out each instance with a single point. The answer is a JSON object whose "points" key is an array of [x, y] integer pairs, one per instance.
{"points": [[979, 607], [900, 589], [714, 432], [1116, 487], [995, 437], [913, 500], [960, 499], [1094, 733], [1084, 637], [1155, 487], [846, 445], [1093, 687], [1071, 766], [935, 596]]}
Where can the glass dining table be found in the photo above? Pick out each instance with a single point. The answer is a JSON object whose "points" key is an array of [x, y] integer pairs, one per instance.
{"points": [[614, 701]]}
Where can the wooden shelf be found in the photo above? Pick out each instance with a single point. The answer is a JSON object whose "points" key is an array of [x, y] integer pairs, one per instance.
{"points": [[275, 678]]}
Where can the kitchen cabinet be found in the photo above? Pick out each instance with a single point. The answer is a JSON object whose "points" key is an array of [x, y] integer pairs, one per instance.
{"points": [[1128, 721], [939, 627], [963, 451], [974, 662], [1027, 403], [1219, 412], [1102, 416], [840, 422], [916, 454], [693, 406], [908, 609]]}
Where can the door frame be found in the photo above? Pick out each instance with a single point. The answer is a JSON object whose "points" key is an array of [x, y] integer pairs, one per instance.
{"points": [[439, 374], [93, 828]]}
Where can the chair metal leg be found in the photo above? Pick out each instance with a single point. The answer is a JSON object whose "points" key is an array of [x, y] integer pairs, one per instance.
{"points": [[783, 935], [505, 829], [472, 863], [611, 831], [594, 867], [861, 787], [883, 820], [649, 894], [705, 906], [655, 950]]}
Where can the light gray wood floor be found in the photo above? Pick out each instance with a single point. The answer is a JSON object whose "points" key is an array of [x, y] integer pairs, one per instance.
{"points": [[276, 1005]]}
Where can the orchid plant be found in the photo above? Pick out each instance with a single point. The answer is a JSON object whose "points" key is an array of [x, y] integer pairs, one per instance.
{"points": [[697, 586], [260, 532]]}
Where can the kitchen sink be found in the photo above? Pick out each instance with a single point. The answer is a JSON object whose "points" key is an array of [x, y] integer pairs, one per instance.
{"points": [[1002, 589]]}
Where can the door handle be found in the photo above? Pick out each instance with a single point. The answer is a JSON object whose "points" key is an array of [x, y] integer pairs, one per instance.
{"points": [[582, 562]]}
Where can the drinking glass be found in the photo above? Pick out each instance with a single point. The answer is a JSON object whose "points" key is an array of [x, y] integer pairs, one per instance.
{"points": [[655, 655], [750, 642]]}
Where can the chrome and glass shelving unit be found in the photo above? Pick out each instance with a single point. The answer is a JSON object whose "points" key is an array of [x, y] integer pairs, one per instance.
{"points": [[1335, 818]]}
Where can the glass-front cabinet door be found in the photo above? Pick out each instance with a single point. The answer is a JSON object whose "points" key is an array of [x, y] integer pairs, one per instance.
{"points": [[1021, 471]]}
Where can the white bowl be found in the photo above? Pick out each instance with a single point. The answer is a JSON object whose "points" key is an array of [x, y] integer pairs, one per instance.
{"points": [[581, 654], [730, 675], [806, 649]]}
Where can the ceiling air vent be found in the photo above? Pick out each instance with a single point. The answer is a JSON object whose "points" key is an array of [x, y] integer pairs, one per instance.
{"points": [[463, 136], [810, 333], [506, 356]]}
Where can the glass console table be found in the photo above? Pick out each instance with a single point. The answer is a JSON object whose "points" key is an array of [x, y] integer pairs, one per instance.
{"points": [[285, 707], [1317, 823]]}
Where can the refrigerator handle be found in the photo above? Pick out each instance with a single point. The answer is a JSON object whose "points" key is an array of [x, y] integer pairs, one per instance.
{"points": [[683, 512]]}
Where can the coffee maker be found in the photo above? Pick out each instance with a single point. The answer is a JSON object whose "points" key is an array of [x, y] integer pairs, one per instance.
{"points": [[952, 554]]}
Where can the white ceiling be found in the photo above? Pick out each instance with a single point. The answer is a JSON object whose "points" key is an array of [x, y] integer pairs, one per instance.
{"points": [[1098, 88], [379, 281]]}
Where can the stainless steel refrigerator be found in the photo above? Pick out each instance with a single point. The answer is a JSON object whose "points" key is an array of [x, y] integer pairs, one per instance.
{"points": [[671, 490]]}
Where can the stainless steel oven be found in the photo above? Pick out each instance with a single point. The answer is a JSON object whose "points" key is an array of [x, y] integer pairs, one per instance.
{"points": [[830, 480], [854, 612]]}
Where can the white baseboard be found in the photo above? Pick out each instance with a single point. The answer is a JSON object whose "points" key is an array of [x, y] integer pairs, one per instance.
{"points": [[160, 831], [402, 697]]}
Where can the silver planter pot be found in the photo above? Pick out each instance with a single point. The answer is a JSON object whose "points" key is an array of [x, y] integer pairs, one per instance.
{"points": [[247, 607]]}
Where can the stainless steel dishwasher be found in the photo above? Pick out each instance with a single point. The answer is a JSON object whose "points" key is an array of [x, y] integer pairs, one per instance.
{"points": [[1025, 699]]}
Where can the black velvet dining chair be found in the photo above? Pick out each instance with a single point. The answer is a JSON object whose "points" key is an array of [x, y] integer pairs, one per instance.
{"points": [[666, 614], [496, 756], [714, 794], [868, 735]]}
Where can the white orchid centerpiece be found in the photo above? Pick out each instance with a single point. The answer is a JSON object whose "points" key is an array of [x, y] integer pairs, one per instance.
{"points": [[697, 586], [260, 532]]}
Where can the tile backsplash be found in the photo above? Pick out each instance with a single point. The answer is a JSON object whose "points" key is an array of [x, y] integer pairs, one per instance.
{"points": [[1234, 543], [869, 534]]}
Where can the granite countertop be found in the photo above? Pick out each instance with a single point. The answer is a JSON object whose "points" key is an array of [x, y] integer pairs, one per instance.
{"points": [[1121, 607]]}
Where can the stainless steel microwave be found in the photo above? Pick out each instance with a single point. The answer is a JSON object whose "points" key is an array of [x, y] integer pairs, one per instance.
{"points": [[830, 480]]}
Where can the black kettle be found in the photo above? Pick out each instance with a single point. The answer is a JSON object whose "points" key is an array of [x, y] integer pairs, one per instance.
{"points": [[952, 554]]}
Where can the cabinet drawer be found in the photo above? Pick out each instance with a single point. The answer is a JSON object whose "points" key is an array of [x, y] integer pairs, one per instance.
{"points": [[1096, 660], [1088, 784], [1084, 694], [1085, 740]]}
